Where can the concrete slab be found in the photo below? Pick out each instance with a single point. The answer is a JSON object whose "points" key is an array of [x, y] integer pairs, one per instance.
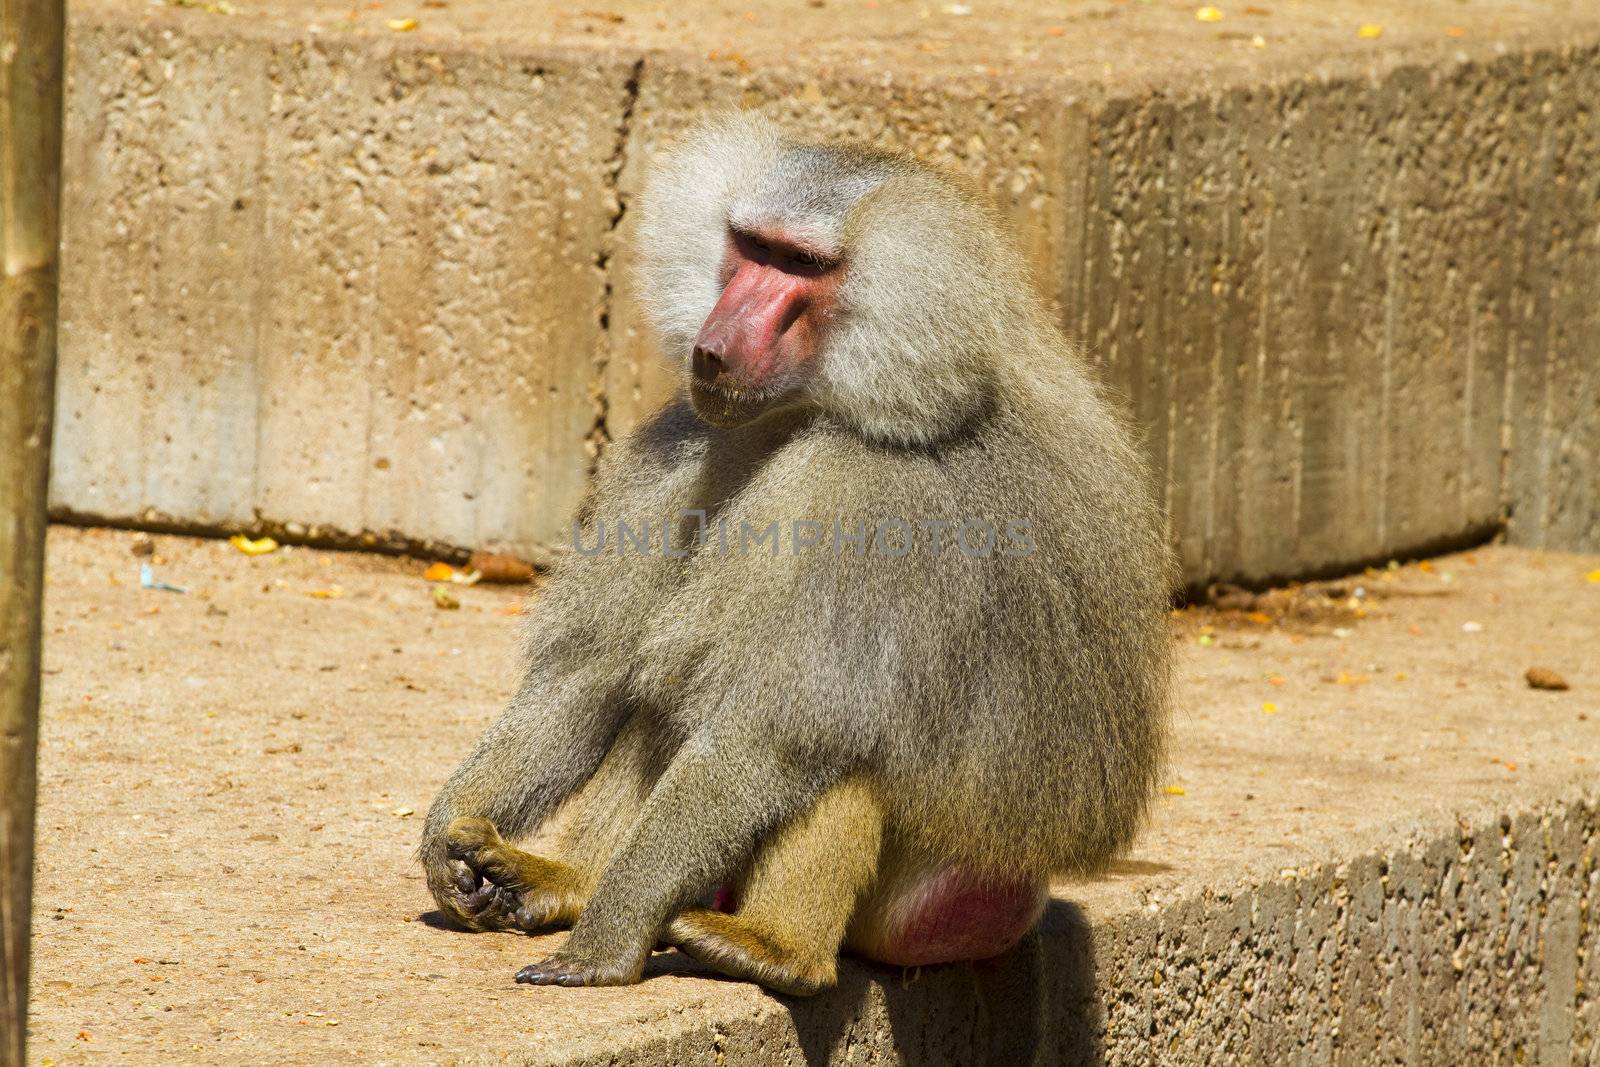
{"points": [[339, 285], [1379, 843], [357, 284]]}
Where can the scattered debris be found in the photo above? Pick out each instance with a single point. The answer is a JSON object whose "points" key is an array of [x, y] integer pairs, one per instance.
{"points": [[1593, 576], [402, 25], [1225, 596], [142, 545], [1209, 14], [1174, 791], [1296, 609], [498, 568], [210, 7], [403, 812], [443, 600], [148, 580], [443, 572], [1270, 708], [253, 546], [1472, 627], [1545, 678], [1370, 31], [333, 592], [739, 60]]}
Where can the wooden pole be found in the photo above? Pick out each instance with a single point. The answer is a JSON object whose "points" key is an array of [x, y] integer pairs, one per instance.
{"points": [[31, 33]]}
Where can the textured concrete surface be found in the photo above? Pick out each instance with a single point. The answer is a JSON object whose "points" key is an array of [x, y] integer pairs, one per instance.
{"points": [[1395, 863], [335, 285], [319, 272]]}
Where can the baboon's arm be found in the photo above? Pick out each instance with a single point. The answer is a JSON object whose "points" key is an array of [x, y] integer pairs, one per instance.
{"points": [[545, 745]]}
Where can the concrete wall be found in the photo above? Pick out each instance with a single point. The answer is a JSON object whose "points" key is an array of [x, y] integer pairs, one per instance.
{"points": [[376, 287], [1356, 317], [350, 287]]}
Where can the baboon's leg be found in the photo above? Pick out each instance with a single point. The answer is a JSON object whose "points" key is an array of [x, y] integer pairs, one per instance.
{"points": [[798, 899], [524, 890]]}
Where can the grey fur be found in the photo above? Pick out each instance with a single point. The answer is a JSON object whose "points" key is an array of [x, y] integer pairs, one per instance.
{"points": [[1009, 711]]}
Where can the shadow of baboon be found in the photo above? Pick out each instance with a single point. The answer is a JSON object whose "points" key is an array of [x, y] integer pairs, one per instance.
{"points": [[1036, 1004]]}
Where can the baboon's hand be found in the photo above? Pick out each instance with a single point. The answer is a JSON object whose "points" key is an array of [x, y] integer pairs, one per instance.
{"points": [[481, 881]]}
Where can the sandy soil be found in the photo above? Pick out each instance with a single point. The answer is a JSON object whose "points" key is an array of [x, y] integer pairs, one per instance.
{"points": [[233, 778]]}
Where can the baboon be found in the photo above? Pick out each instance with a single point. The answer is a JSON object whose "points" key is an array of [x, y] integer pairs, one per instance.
{"points": [[864, 637]]}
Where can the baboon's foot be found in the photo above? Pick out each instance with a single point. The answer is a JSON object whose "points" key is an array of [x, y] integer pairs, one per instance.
{"points": [[496, 886], [579, 969], [742, 947]]}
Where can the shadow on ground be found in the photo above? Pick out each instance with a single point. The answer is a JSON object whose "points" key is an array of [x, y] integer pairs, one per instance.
{"points": [[1034, 1005]]}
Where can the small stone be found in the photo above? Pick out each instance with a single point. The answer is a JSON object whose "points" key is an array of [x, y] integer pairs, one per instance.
{"points": [[1545, 678], [142, 545]]}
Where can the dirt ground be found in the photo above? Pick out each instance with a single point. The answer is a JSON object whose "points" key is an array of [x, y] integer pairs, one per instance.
{"points": [[232, 781]]}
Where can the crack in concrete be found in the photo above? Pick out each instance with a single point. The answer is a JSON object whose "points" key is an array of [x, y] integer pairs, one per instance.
{"points": [[600, 432]]}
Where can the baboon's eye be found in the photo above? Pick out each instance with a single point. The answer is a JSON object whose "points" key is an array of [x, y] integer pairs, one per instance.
{"points": [[780, 252]]}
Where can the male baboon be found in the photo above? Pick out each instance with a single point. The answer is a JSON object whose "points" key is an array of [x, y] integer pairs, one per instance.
{"points": [[866, 628]]}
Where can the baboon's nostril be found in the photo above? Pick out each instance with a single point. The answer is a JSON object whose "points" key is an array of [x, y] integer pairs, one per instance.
{"points": [[707, 364]]}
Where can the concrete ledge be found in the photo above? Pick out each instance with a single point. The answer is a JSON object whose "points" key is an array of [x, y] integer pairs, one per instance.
{"points": [[1396, 862], [1465, 943], [369, 285]]}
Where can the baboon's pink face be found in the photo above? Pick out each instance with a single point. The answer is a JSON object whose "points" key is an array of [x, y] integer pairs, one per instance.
{"points": [[762, 340]]}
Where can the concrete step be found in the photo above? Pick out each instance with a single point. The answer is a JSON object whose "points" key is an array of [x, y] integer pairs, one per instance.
{"points": [[1378, 843], [364, 284]]}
